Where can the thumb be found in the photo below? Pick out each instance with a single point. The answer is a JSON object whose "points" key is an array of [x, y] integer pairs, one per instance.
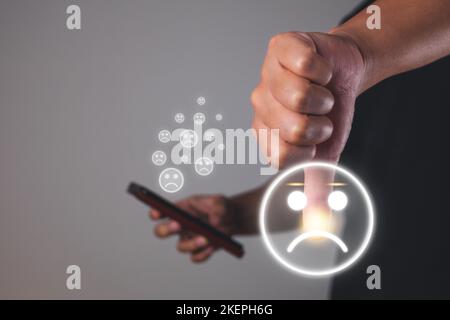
{"points": [[318, 186]]}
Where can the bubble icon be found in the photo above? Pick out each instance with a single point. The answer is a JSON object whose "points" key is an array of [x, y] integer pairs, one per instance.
{"points": [[204, 166], [179, 118], [199, 118], [159, 158], [188, 138], [171, 180], [164, 136], [201, 101]]}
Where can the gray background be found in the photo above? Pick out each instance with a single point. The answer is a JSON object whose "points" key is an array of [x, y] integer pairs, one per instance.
{"points": [[79, 117]]}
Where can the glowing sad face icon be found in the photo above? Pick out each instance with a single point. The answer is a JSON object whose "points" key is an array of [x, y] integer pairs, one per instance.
{"points": [[164, 136], [204, 166], [199, 118], [179, 118], [188, 138], [171, 180], [326, 224], [159, 158]]}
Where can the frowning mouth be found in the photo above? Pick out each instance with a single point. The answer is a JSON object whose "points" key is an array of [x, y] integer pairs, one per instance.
{"points": [[169, 184], [317, 234]]}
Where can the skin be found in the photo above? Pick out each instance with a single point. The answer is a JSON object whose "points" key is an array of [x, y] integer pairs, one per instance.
{"points": [[308, 87]]}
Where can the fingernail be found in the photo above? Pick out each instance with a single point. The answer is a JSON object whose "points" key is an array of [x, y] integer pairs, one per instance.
{"points": [[201, 241], [174, 226]]}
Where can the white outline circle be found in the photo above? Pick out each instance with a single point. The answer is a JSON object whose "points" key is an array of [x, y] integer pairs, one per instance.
{"points": [[179, 118], [201, 101], [202, 159], [199, 115], [164, 157], [163, 139], [178, 187], [183, 142], [362, 248]]}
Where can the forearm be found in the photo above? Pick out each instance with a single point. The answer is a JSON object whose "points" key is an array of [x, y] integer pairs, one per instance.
{"points": [[246, 205], [413, 33]]}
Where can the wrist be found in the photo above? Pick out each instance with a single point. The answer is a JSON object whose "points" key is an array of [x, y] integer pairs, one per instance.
{"points": [[363, 53], [243, 210]]}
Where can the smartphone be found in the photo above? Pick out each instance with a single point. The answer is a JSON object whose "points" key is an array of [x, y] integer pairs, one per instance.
{"points": [[216, 238]]}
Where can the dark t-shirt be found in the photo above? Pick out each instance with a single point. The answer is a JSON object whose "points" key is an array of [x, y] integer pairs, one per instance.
{"points": [[399, 145]]}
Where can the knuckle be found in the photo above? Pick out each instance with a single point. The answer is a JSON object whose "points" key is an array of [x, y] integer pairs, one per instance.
{"points": [[255, 98], [300, 96], [274, 40], [305, 61], [328, 102], [296, 132]]}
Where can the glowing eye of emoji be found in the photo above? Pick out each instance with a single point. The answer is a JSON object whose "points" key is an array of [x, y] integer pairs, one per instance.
{"points": [[297, 200], [337, 200]]}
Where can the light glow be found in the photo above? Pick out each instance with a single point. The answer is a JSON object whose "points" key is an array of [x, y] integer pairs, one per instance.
{"points": [[297, 200], [354, 256], [337, 200]]}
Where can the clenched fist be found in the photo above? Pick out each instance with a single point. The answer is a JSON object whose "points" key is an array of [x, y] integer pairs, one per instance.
{"points": [[309, 83]]}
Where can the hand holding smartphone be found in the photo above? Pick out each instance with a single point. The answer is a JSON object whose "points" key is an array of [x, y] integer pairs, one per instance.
{"points": [[217, 238]]}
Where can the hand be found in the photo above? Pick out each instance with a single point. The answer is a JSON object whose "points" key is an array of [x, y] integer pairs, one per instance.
{"points": [[309, 83], [217, 210]]}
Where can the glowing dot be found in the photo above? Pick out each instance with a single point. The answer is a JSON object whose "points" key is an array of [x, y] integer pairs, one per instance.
{"points": [[221, 146], [201, 101], [219, 117], [297, 200], [337, 200]]}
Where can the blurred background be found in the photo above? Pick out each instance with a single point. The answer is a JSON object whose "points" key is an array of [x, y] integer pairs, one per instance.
{"points": [[80, 113]]}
